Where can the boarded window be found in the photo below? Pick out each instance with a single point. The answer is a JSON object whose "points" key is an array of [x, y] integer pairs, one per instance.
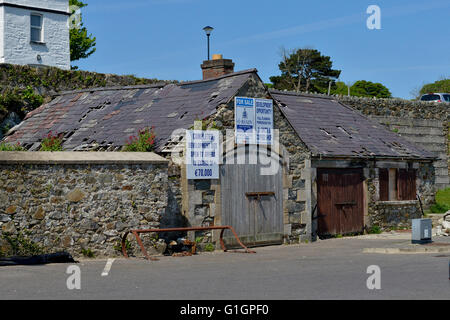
{"points": [[406, 182], [384, 184], [397, 184]]}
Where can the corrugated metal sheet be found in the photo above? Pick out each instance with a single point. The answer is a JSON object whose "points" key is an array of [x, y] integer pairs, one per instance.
{"points": [[331, 129]]}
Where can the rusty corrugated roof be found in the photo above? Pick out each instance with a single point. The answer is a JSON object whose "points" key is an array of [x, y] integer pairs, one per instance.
{"points": [[106, 117], [331, 129]]}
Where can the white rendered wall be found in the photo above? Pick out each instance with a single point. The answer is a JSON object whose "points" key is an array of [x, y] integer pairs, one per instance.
{"points": [[2, 57], [60, 5], [17, 47]]}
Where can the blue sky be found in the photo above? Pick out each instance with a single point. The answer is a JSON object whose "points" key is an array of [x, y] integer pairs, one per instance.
{"points": [[164, 38]]}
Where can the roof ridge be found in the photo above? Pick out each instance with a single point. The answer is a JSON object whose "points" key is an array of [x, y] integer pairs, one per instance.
{"points": [[301, 94], [156, 85], [141, 86]]}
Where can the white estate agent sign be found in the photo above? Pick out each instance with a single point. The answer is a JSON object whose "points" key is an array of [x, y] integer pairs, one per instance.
{"points": [[264, 121], [202, 154], [253, 121]]}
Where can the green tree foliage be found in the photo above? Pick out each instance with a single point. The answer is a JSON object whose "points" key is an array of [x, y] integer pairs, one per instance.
{"points": [[438, 86], [305, 70], [364, 88], [18, 100], [82, 45], [442, 204], [340, 89]]}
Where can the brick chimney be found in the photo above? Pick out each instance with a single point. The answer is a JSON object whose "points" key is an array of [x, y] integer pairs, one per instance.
{"points": [[217, 67]]}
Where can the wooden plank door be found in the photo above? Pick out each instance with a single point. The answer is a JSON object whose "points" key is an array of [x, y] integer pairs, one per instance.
{"points": [[340, 201], [256, 220]]}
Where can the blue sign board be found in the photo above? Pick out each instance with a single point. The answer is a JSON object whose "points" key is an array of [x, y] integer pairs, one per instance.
{"points": [[253, 121], [244, 117]]}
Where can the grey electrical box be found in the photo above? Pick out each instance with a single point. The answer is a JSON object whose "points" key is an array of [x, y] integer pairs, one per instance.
{"points": [[421, 230]]}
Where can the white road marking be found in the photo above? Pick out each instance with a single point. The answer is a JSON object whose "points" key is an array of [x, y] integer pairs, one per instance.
{"points": [[107, 267]]}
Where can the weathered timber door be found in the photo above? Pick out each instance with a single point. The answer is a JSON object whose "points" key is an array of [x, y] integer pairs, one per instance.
{"points": [[252, 204], [340, 201]]}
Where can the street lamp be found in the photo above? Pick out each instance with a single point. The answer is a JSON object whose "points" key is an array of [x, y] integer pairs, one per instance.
{"points": [[208, 31]]}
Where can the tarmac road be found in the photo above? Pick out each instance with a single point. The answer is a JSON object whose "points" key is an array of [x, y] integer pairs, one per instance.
{"points": [[329, 269]]}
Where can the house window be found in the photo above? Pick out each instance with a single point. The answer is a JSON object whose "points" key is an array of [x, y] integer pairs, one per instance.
{"points": [[397, 184], [36, 28]]}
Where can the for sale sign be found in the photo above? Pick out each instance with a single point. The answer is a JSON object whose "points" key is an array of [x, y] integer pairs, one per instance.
{"points": [[253, 121], [244, 116], [202, 154]]}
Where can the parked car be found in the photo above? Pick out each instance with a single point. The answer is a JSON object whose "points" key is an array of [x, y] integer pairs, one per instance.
{"points": [[436, 97]]}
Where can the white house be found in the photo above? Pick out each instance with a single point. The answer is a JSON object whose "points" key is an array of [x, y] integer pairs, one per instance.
{"points": [[35, 32]]}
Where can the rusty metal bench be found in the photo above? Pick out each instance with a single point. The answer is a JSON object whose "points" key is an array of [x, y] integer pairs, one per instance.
{"points": [[139, 241]]}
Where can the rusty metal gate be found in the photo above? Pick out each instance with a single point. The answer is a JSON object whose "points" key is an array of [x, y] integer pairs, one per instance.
{"points": [[340, 201], [252, 204]]}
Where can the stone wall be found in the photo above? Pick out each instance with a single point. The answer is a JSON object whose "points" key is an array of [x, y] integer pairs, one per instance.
{"points": [[398, 214], [428, 134], [424, 123], [395, 214], [81, 201]]}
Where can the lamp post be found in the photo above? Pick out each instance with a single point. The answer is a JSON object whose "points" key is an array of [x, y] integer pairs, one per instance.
{"points": [[208, 31]]}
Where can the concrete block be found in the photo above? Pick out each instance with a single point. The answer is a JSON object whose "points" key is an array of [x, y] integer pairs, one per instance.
{"points": [[306, 174], [195, 197], [306, 217], [212, 209], [285, 194], [287, 181], [288, 229], [302, 195]]}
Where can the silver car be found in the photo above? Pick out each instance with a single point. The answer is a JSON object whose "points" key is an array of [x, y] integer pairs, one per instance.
{"points": [[436, 97]]}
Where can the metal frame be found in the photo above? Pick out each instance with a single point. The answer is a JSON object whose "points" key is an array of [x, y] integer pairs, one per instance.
{"points": [[139, 241]]}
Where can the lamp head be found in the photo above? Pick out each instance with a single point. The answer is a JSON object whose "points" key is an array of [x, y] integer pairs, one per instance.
{"points": [[208, 30]]}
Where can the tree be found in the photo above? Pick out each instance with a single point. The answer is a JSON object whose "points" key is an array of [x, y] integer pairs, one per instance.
{"points": [[364, 88], [305, 70], [81, 45], [442, 85]]}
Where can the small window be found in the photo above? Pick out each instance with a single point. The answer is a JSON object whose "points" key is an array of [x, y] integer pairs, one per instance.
{"points": [[36, 28], [397, 184]]}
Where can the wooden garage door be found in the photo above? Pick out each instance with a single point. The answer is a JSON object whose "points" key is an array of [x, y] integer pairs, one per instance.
{"points": [[340, 201], [256, 220]]}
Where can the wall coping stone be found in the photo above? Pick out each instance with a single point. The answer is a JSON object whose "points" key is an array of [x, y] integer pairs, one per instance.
{"points": [[26, 157]]}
